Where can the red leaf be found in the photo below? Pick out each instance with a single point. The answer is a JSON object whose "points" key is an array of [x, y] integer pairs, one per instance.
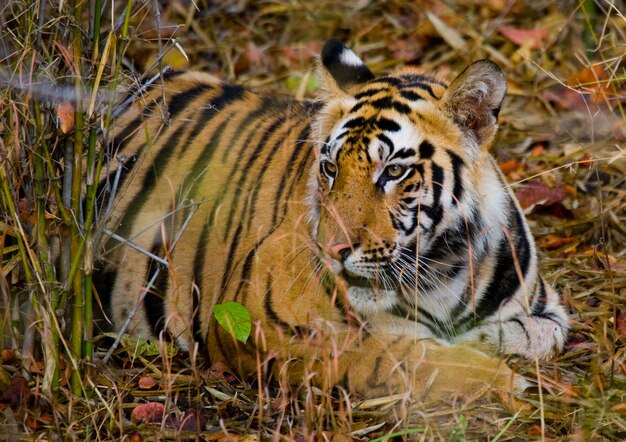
{"points": [[533, 38], [150, 412], [588, 90], [536, 192]]}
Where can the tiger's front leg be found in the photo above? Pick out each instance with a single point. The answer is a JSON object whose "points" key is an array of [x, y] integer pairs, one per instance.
{"points": [[378, 365], [539, 333]]}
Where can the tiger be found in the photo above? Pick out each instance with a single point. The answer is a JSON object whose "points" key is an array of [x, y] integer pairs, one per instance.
{"points": [[369, 233]]}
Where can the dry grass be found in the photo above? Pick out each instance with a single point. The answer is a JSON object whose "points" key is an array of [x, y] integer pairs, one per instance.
{"points": [[561, 145]]}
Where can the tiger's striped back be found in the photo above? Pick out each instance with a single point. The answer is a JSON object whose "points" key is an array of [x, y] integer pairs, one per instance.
{"points": [[233, 157]]}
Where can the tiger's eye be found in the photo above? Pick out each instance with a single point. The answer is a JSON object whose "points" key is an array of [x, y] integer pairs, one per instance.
{"points": [[329, 169], [395, 171]]}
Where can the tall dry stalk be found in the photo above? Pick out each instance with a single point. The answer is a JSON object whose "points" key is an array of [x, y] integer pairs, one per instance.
{"points": [[48, 179]]}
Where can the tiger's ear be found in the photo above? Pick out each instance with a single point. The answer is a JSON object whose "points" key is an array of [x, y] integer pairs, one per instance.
{"points": [[341, 68], [473, 100]]}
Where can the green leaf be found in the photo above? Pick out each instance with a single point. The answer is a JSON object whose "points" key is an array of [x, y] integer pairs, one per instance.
{"points": [[235, 319]]}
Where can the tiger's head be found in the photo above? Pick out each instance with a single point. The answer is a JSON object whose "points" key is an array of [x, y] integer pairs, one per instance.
{"points": [[397, 164]]}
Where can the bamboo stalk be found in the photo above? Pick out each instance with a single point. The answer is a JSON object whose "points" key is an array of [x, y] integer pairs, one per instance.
{"points": [[77, 316], [93, 168], [49, 291]]}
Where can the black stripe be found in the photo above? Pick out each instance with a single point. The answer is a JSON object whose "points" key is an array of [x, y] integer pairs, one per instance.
{"points": [[163, 157], [437, 182], [358, 106], [228, 95], [357, 122], [159, 164], [405, 152], [273, 316], [198, 275], [402, 108], [245, 123], [234, 243], [410, 95], [539, 305], [505, 280], [153, 304], [451, 245], [204, 159], [426, 150], [392, 81], [381, 123], [419, 168], [258, 180], [385, 140], [103, 281], [457, 190], [436, 212], [172, 74], [521, 324], [131, 127], [181, 101], [369, 93], [425, 87], [214, 335], [245, 171], [103, 191], [411, 79], [551, 317], [402, 311], [301, 146], [386, 124]]}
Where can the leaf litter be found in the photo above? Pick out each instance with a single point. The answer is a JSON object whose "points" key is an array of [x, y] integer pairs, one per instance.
{"points": [[561, 146]]}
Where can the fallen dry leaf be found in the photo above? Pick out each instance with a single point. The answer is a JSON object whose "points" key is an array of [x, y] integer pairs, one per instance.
{"points": [[135, 437], [147, 382], [619, 408], [537, 150], [551, 242], [7, 355], [449, 34], [534, 193], [532, 38], [65, 117], [534, 430], [37, 423], [509, 166], [150, 412]]}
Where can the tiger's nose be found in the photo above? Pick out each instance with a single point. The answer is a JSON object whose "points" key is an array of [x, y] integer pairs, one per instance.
{"points": [[341, 251]]}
